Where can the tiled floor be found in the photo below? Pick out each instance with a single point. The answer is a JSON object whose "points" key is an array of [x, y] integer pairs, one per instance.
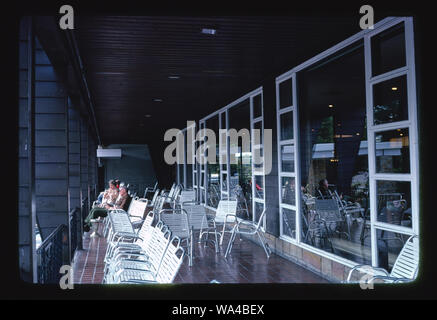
{"points": [[246, 264]]}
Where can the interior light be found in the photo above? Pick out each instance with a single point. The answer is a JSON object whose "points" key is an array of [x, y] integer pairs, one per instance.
{"points": [[394, 88], [209, 31], [331, 106], [174, 77], [157, 100]]}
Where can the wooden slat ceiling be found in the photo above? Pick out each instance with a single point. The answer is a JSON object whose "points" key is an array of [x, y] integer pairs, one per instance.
{"points": [[128, 62]]}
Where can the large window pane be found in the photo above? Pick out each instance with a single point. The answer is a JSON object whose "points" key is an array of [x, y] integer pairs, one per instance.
{"points": [[392, 151], [287, 158], [259, 187], [241, 169], [394, 202], [257, 106], [285, 94], [259, 207], [286, 120], [213, 169], [288, 186], [388, 50], [289, 222], [390, 102], [389, 245], [334, 156]]}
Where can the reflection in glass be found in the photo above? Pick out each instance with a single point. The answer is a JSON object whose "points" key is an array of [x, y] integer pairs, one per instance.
{"points": [[390, 101], [259, 187], [240, 179], [213, 169], [289, 222], [288, 190], [334, 156], [392, 151], [257, 106], [285, 94], [389, 245], [388, 50], [287, 125], [287, 158], [259, 207], [394, 202]]}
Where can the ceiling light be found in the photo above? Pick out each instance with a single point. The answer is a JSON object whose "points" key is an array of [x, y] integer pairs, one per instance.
{"points": [[174, 77], [209, 31], [394, 88], [157, 100], [331, 106]]}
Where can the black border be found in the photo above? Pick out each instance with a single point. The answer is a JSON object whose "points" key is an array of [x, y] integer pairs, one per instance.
{"points": [[13, 288]]}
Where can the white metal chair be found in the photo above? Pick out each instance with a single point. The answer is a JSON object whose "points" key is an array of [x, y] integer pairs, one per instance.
{"points": [[249, 228], [226, 214], [147, 260], [143, 237], [199, 221], [166, 272], [177, 222], [404, 269]]}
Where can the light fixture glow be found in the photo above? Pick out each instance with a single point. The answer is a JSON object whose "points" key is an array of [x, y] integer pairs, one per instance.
{"points": [[331, 106], [157, 100], [394, 88], [173, 77], [209, 31]]}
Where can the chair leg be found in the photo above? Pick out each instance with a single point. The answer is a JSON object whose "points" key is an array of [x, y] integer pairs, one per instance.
{"points": [[223, 233], [231, 242], [263, 242]]}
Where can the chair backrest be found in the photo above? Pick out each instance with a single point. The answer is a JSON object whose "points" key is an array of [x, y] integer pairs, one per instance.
{"points": [[155, 196], [407, 262], [138, 209], [261, 218], [171, 262], [187, 195], [172, 190], [196, 215], [177, 221], [226, 207], [158, 244], [146, 231], [328, 210]]}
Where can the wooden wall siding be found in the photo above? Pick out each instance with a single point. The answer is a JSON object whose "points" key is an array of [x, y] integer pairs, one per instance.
{"points": [[25, 250]]}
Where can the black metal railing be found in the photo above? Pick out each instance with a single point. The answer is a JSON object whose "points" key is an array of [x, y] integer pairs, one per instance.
{"points": [[52, 255], [75, 231]]}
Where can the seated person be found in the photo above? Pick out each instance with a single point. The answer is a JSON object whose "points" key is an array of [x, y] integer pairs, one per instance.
{"points": [[110, 194], [120, 203], [323, 191]]}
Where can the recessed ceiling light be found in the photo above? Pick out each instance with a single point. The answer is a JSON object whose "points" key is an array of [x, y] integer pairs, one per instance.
{"points": [[173, 77], [209, 31], [331, 106], [394, 88], [157, 100]]}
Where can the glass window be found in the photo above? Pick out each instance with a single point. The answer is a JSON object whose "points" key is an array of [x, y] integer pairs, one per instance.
{"points": [[213, 170], [241, 170], [334, 156], [390, 102], [289, 222], [392, 151], [224, 182], [389, 245], [285, 94], [286, 120], [259, 187], [287, 158], [259, 207], [288, 186], [388, 50], [258, 163], [394, 202], [258, 132], [257, 106]]}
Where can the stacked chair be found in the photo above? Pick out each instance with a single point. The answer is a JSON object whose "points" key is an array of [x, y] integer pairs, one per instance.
{"points": [[151, 253]]}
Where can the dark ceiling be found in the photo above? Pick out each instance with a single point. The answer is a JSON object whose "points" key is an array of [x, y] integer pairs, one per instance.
{"points": [[128, 61]]}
